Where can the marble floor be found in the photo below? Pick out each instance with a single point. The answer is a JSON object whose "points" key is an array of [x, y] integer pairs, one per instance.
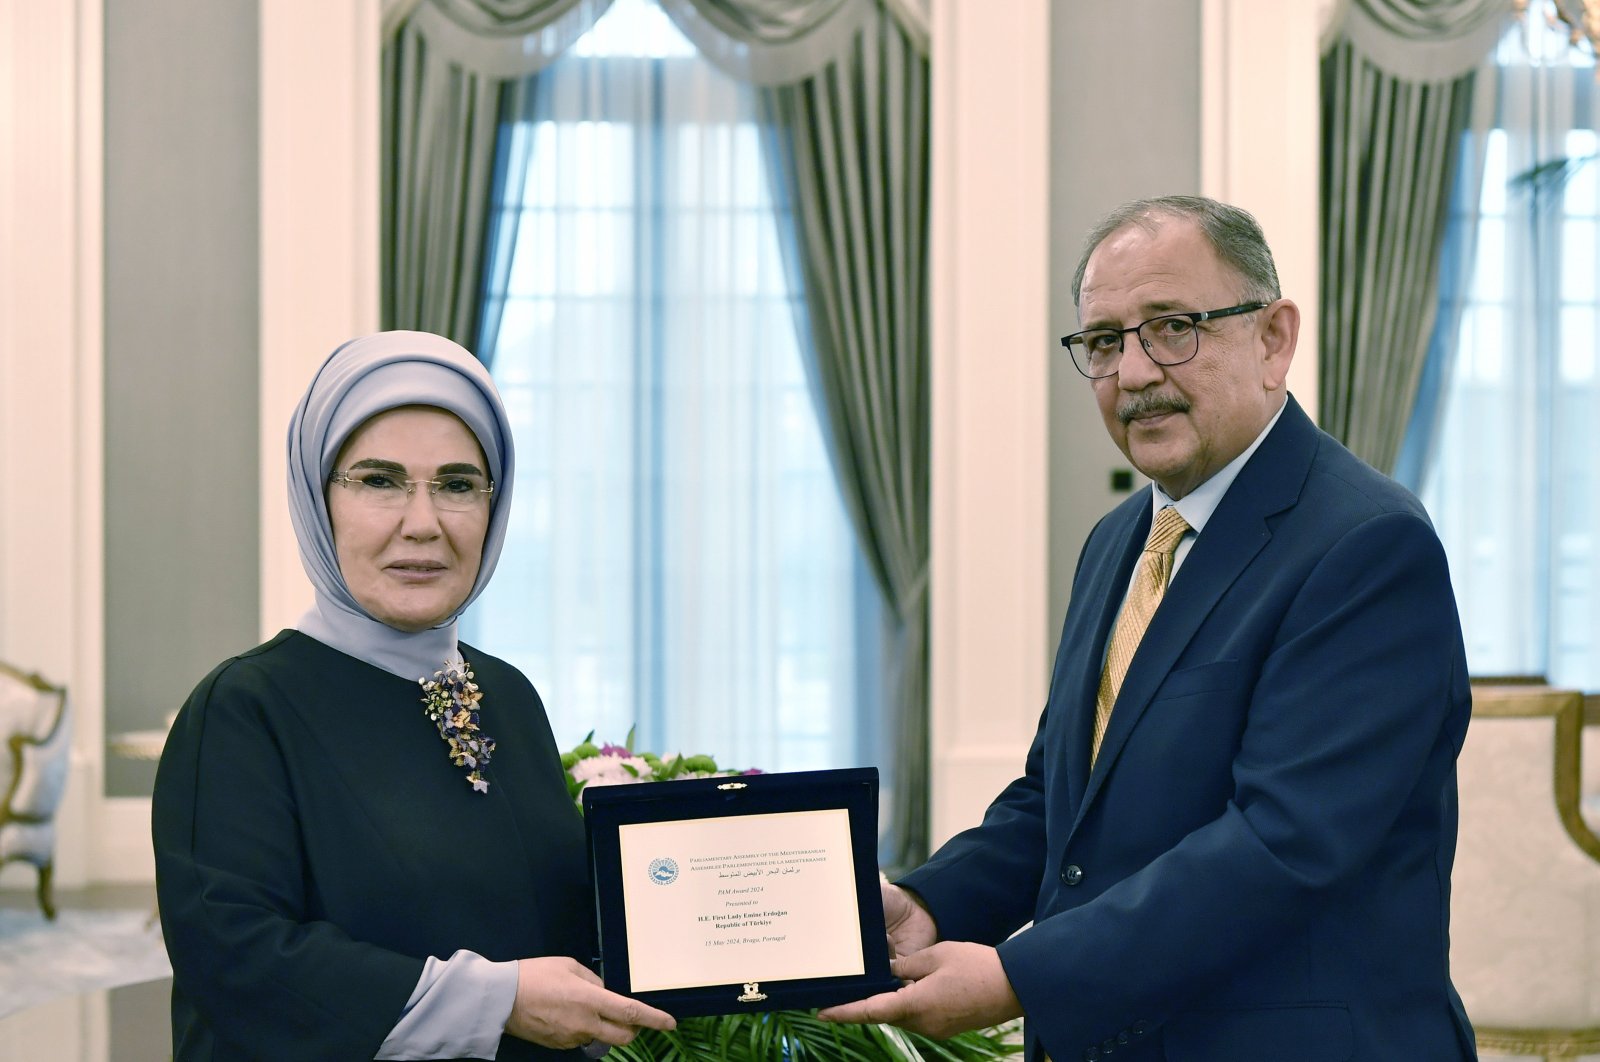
{"points": [[64, 1016]]}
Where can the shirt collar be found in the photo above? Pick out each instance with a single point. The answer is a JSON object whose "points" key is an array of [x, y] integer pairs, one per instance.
{"points": [[1197, 506]]}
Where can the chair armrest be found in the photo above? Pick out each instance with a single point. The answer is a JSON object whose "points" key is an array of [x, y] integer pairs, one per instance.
{"points": [[1568, 709], [36, 761]]}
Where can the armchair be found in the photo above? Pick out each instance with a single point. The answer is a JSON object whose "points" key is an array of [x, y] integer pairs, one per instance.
{"points": [[1525, 899], [35, 724]]}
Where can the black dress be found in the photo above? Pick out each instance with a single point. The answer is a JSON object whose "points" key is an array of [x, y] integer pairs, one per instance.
{"points": [[314, 844]]}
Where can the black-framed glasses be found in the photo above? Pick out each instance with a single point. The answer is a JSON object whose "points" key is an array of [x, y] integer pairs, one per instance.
{"points": [[1170, 339], [385, 488]]}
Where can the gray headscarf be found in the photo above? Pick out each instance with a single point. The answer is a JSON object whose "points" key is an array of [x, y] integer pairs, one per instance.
{"points": [[361, 379]]}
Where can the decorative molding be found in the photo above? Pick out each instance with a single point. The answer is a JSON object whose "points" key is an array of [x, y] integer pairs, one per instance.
{"points": [[51, 550], [1543, 1043], [990, 266], [87, 684]]}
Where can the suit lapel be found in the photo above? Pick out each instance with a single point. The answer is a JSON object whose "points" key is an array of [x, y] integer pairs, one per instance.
{"points": [[1268, 484]]}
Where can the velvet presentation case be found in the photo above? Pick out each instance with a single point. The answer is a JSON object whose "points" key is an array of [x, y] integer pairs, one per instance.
{"points": [[762, 922]]}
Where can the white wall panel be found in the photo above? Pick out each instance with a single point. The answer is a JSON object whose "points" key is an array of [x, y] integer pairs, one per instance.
{"points": [[319, 236], [990, 235], [1261, 116], [50, 546]]}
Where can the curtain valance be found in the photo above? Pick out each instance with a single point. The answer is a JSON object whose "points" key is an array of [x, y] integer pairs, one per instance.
{"points": [[765, 42], [780, 42], [770, 42], [502, 39], [1422, 40]]}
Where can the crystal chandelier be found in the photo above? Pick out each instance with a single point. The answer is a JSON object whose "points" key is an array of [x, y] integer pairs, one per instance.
{"points": [[1581, 18]]}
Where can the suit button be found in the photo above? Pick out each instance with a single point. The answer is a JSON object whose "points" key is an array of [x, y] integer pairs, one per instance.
{"points": [[1123, 1038], [1092, 1055], [1140, 1028], [1071, 874], [1108, 1047]]}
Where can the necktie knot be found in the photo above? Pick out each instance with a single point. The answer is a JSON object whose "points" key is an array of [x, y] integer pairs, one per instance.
{"points": [[1168, 528]]}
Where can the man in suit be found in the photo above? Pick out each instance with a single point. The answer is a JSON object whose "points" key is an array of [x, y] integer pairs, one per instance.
{"points": [[1234, 833]]}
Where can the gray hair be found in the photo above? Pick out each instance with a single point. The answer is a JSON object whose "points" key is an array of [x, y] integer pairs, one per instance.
{"points": [[1234, 234]]}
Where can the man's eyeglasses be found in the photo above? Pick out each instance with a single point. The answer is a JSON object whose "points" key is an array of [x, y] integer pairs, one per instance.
{"points": [[385, 488], [1171, 339]]}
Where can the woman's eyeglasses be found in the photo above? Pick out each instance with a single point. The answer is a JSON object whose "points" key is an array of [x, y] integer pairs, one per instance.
{"points": [[386, 489]]}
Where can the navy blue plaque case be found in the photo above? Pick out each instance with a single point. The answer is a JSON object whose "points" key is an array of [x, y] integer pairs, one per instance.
{"points": [[607, 809]]}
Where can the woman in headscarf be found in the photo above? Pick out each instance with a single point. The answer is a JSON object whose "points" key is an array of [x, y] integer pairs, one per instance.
{"points": [[364, 842]]}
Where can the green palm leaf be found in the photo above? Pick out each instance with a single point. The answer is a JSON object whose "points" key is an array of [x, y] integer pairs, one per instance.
{"points": [[798, 1036]]}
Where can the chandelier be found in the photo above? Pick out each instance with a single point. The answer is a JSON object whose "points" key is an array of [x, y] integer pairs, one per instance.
{"points": [[1581, 18]]}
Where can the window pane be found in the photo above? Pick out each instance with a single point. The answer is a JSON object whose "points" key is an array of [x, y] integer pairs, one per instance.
{"points": [[1577, 260], [1577, 357], [681, 562], [1489, 273], [1489, 343], [1494, 174], [1581, 191], [1514, 484]]}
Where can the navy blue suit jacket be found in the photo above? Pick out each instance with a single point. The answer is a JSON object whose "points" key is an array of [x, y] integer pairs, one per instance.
{"points": [[1258, 865]]}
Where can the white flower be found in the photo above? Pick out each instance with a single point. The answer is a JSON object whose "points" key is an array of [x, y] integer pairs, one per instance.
{"points": [[610, 770]]}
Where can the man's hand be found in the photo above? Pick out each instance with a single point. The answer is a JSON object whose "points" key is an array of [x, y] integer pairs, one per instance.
{"points": [[562, 1004], [908, 923], [951, 987]]}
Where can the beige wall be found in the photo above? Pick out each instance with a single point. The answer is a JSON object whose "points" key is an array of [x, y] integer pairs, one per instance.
{"points": [[1010, 510]]}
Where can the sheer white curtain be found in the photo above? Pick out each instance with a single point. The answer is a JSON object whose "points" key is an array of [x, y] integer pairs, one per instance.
{"points": [[1514, 481], [679, 560]]}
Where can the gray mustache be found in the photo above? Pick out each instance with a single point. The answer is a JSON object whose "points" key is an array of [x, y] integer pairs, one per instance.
{"points": [[1144, 405]]}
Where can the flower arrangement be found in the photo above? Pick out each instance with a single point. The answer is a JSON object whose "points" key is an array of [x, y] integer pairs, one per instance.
{"points": [[788, 1035], [607, 764]]}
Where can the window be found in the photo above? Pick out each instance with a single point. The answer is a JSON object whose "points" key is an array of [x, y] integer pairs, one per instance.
{"points": [[1513, 489], [679, 560]]}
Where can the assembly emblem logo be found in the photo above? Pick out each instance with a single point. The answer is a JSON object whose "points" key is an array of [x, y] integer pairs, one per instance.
{"points": [[664, 871]]}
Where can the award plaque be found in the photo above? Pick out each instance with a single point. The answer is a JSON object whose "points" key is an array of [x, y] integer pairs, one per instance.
{"points": [[750, 892]]}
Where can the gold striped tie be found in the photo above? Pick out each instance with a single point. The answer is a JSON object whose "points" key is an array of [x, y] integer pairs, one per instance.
{"points": [[1149, 584]]}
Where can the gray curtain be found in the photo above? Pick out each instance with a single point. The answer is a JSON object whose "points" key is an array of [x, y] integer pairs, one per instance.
{"points": [[855, 140], [1397, 91], [1456, 255], [452, 69], [844, 92], [844, 99]]}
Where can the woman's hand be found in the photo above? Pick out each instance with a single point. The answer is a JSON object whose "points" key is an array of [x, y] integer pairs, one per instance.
{"points": [[562, 1004]]}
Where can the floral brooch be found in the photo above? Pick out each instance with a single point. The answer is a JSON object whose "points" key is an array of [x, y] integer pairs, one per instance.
{"points": [[451, 701]]}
